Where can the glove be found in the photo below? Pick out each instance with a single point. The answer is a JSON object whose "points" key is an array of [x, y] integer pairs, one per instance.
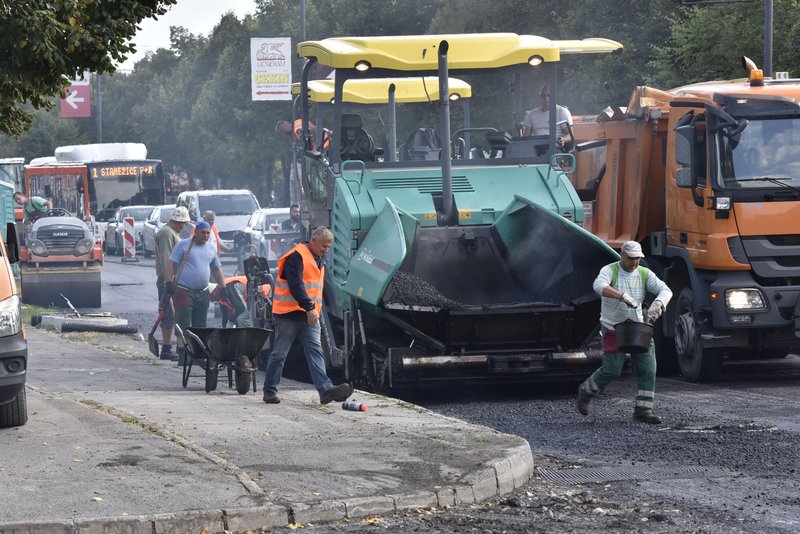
{"points": [[630, 301], [655, 311], [169, 287]]}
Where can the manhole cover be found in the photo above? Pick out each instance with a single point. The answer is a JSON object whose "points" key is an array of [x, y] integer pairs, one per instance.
{"points": [[608, 474]]}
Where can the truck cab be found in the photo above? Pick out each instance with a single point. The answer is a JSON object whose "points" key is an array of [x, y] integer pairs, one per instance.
{"points": [[707, 178]]}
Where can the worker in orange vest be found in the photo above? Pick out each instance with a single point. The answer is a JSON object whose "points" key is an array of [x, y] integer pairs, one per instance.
{"points": [[296, 129], [209, 217], [296, 308]]}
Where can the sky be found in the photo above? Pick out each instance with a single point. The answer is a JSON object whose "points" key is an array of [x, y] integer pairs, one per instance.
{"points": [[197, 16]]}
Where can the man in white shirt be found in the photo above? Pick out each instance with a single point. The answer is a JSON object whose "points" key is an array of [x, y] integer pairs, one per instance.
{"points": [[537, 120], [622, 286]]}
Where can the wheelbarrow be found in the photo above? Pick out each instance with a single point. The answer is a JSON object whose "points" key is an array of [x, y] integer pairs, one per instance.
{"points": [[214, 349]]}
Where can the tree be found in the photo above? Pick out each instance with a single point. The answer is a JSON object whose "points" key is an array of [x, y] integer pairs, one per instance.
{"points": [[711, 39], [47, 43]]}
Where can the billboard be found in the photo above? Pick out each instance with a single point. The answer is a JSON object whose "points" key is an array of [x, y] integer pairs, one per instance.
{"points": [[271, 68]]}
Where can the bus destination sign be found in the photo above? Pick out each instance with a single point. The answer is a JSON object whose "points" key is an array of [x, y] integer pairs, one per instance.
{"points": [[123, 170]]}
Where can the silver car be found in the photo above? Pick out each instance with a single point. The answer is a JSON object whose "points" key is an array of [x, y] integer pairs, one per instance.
{"points": [[113, 239], [256, 236], [157, 218]]}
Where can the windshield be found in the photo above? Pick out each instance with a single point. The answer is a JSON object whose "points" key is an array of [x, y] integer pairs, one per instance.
{"points": [[766, 150], [229, 204], [138, 214], [166, 213]]}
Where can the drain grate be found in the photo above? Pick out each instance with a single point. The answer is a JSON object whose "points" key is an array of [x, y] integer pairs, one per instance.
{"points": [[609, 474]]}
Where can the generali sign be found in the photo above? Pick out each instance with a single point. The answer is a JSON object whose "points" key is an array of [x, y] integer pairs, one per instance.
{"points": [[271, 68]]}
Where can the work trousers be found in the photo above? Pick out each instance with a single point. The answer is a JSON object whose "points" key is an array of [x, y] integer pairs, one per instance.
{"points": [[191, 307], [644, 365], [286, 331]]}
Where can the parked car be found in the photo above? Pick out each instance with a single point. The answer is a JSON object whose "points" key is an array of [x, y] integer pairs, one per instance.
{"points": [[157, 218], [113, 238], [259, 236], [232, 207]]}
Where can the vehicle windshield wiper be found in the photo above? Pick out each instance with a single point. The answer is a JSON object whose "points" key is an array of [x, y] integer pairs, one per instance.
{"points": [[774, 180]]}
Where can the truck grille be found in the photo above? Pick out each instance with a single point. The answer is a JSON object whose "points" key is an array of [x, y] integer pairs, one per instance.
{"points": [[776, 256]]}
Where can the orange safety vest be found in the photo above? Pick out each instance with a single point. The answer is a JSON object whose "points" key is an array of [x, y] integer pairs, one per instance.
{"points": [[298, 129], [313, 278]]}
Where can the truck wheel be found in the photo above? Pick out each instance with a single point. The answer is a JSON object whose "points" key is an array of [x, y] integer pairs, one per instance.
{"points": [[666, 358], [696, 362], [14, 413]]}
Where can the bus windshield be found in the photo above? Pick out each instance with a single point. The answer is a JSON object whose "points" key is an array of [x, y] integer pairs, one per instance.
{"points": [[123, 183]]}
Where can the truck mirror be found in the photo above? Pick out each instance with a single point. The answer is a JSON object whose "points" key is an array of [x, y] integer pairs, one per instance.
{"points": [[684, 145], [12, 247]]}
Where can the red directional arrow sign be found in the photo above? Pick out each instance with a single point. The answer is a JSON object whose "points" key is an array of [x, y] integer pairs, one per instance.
{"points": [[77, 102]]}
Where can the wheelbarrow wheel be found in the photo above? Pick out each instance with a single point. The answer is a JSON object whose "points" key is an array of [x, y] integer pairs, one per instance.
{"points": [[244, 368], [212, 375]]}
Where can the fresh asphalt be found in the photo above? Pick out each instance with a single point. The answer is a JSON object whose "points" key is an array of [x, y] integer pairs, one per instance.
{"points": [[114, 443]]}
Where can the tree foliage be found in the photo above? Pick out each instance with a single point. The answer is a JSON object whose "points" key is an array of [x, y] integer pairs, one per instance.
{"points": [[48, 42], [191, 103], [708, 41]]}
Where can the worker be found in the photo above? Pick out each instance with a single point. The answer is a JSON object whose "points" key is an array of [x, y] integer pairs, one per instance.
{"points": [[296, 130], [210, 217], [196, 260], [33, 207], [296, 308], [537, 120], [165, 240], [294, 224], [622, 286]]}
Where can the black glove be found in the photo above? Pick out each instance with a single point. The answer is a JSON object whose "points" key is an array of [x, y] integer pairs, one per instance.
{"points": [[169, 287]]}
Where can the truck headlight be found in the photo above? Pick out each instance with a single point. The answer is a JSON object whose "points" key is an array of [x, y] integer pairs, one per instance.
{"points": [[38, 247], [744, 299], [84, 246], [10, 316]]}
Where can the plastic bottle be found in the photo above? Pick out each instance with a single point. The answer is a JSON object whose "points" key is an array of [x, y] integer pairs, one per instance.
{"points": [[354, 406]]}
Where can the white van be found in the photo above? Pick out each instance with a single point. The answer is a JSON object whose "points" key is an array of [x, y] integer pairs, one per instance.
{"points": [[233, 208]]}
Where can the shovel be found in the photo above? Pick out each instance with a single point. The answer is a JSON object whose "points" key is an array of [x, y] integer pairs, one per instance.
{"points": [[151, 339]]}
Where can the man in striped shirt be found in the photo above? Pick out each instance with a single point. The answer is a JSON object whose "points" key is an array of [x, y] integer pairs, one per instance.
{"points": [[622, 286]]}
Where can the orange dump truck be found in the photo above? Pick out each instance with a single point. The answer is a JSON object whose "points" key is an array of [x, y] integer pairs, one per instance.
{"points": [[707, 178]]}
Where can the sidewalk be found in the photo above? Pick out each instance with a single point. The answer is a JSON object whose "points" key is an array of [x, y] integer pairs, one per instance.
{"points": [[115, 444]]}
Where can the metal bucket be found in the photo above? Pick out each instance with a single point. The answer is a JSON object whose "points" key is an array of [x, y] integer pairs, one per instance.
{"points": [[633, 337]]}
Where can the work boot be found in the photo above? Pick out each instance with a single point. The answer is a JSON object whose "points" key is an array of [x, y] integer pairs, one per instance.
{"points": [[582, 404], [336, 393], [181, 356], [167, 354], [647, 417], [271, 397]]}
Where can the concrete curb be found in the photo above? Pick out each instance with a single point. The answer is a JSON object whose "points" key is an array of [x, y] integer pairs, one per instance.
{"points": [[487, 482], [512, 468], [501, 477]]}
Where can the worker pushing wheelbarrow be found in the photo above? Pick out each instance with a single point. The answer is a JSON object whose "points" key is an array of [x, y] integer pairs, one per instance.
{"points": [[247, 303]]}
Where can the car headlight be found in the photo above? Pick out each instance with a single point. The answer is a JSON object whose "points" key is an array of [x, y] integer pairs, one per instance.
{"points": [[10, 316], [38, 247], [84, 246], [744, 299]]}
